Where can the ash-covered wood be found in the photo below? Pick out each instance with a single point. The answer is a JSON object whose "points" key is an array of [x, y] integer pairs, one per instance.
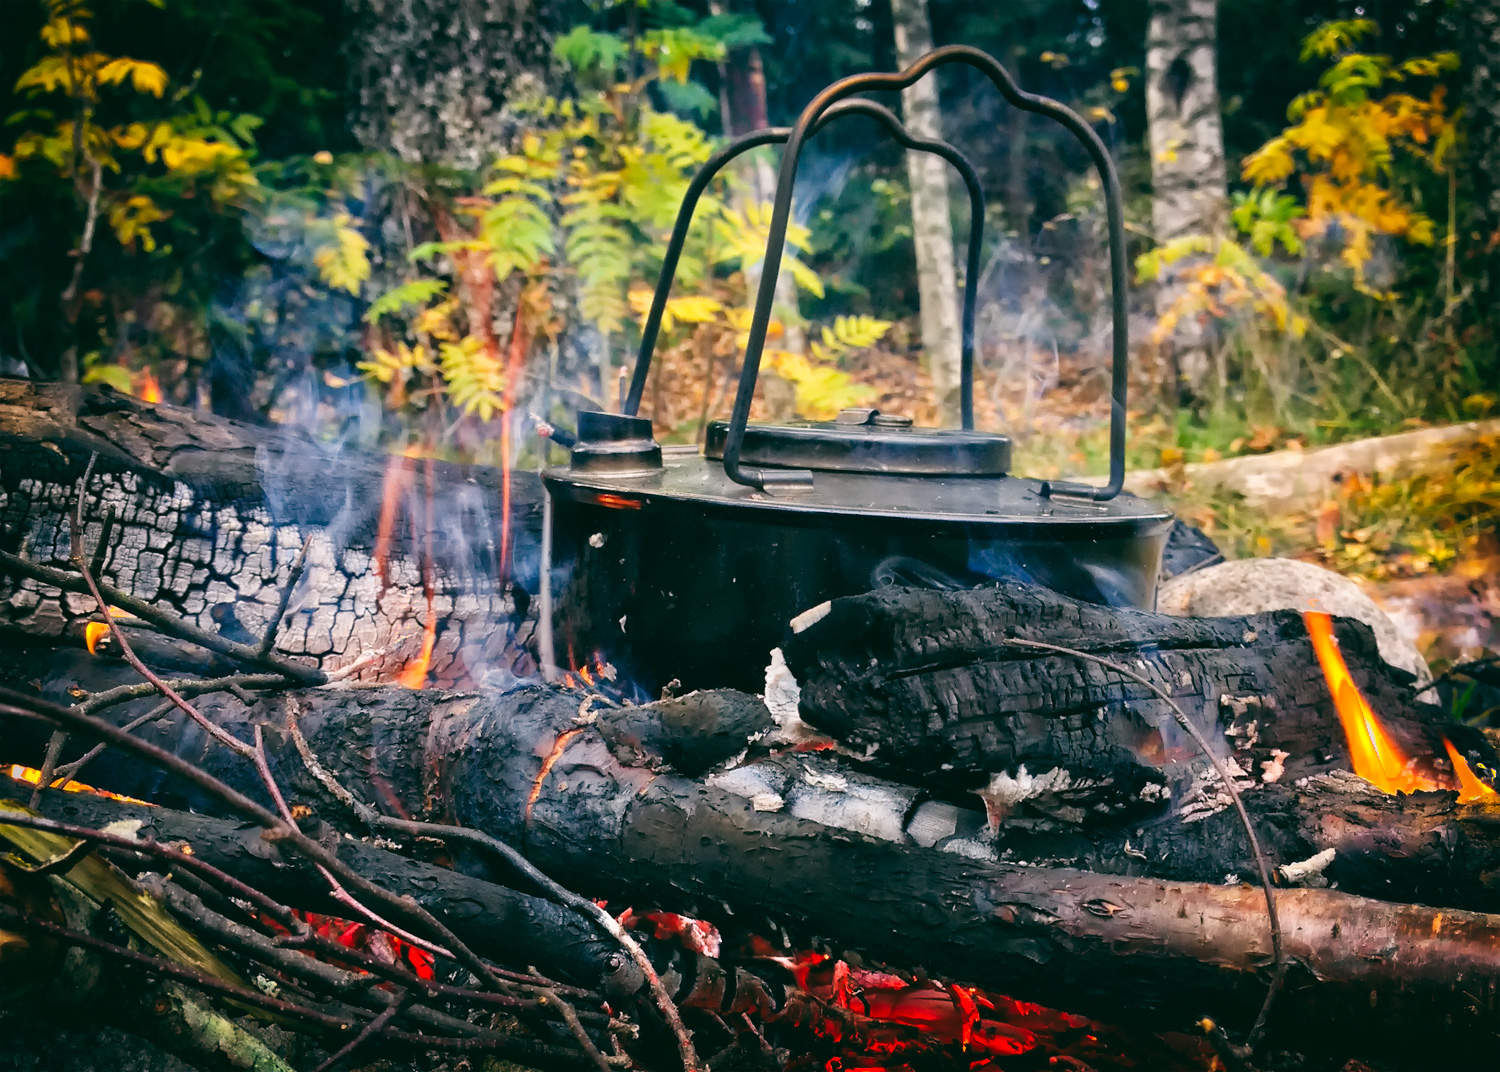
{"points": [[207, 516]]}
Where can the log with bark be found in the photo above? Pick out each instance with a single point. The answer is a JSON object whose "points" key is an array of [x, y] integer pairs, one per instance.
{"points": [[814, 843]]}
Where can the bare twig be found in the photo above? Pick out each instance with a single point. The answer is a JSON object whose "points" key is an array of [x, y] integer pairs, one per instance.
{"points": [[1261, 864], [374, 1027], [69, 771], [189, 686], [101, 549], [570, 1017], [49, 764], [268, 642], [21, 705]]}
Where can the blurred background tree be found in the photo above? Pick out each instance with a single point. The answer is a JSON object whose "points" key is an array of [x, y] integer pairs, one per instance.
{"points": [[349, 134]]}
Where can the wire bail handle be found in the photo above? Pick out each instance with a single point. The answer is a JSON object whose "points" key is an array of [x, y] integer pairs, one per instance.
{"points": [[809, 121]]}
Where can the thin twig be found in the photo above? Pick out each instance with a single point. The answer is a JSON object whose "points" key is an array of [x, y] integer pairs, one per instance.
{"points": [[22, 705], [570, 1017], [101, 549], [268, 642], [186, 686], [374, 1027], [167, 622], [55, 745], [1261, 864]]}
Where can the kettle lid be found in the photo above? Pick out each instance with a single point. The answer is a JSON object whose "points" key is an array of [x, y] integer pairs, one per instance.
{"points": [[864, 440]]}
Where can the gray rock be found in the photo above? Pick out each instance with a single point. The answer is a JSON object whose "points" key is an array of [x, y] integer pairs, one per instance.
{"points": [[1254, 585]]}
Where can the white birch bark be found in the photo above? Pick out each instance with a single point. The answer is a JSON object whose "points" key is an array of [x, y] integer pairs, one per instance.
{"points": [[1189, 190], [932, 226]]}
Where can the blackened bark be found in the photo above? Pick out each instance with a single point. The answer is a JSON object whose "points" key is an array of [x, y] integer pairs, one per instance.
{"points": [[208, 515], [925, 682]]}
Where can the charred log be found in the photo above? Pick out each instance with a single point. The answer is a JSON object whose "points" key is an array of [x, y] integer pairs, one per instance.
{"points": [[525, 766], [206, 516], [926, 682]]}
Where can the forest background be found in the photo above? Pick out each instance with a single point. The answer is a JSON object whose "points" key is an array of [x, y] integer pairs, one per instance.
{"points": [[428, 226]]}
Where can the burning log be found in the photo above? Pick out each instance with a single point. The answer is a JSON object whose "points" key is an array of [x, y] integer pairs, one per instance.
{"points": [[404, 568], [526, 767]]}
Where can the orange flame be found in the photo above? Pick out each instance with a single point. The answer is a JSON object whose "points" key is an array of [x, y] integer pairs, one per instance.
{"points": [[34, 777], [1376, 757], [414, 676], [559, 746], [94, 632], [147, 387], [397, 480], [1470, 789]]}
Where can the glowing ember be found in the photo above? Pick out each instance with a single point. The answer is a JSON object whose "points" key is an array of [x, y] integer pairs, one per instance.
{"points": [[1470, 789], [94, 632], [32, 776], [1376, 757], [366, 939], [558, 748]]}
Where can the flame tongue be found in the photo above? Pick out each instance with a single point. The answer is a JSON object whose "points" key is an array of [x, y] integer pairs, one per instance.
{"points": [[1377, 758]]}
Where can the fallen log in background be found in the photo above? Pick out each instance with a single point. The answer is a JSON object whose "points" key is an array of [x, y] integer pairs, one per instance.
{"points": [[1289, 481], [207, 515]]}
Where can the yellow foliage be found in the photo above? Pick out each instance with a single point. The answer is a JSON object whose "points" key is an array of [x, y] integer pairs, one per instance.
{"points": [[7, 167], [132, 217], [475, 377], [343, 261], [385, 366], [821, 390], [1348, 141]]}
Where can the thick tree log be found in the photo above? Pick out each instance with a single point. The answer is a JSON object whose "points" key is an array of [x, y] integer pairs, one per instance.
{"points": [[208, 515], [525, 766], [924, 681]]}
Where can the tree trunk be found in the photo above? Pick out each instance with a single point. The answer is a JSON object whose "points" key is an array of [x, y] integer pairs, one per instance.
{"points": [[932, 225], [743, 101], [1479, 48], [436, 77], [1189, 189]]}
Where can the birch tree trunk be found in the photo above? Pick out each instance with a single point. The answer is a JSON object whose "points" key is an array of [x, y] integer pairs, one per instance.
{"points": [[1189, 190], [932, 226]]}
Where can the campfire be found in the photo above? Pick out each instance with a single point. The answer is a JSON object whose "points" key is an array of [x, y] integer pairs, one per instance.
{"points": [[836, 746]]}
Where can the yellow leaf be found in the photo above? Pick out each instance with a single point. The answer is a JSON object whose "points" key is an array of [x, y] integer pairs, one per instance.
{"points": [[7, 167]]}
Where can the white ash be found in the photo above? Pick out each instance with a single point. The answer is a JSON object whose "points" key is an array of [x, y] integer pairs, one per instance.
{"points": [[1272, 769], [1207, 796], [596, 541], [1308, 872], [849, 801], [767, 802], [751, 781], [782, 697], [1244, 737], [811, 617], [1010, 789], [971, 848]]}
